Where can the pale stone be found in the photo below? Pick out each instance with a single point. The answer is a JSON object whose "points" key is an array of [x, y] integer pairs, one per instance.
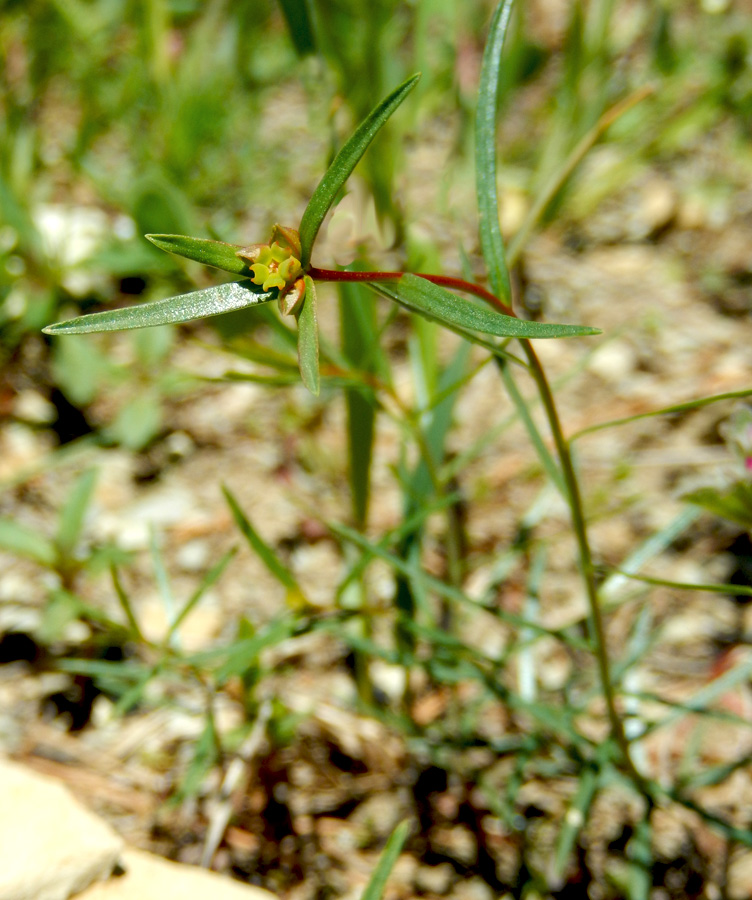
{"points": [[50, 846], [148, 877], [614, 362], [434, 879], [31, 406]]}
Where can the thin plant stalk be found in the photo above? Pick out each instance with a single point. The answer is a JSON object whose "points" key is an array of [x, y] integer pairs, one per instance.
{"points": [[598, 632], [497, 262], [575, 157]]}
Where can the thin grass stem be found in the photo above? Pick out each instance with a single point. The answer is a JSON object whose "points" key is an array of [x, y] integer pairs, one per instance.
{"points": [[577, 154]]}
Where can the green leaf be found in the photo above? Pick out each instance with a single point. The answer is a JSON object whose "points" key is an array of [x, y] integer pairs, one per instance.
{"points": [[344, 162], [491, 240], [237, 658], [73, 513], [24, 541], [447, 591], [299, 25], [734, 503], [435, 302], [308, 339], [206, 582], [264, 552], [211, 301], [375, 888], [211, 253]]}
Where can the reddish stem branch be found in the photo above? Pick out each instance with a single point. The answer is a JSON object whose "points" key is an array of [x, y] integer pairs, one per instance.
{"points": [[458, 284]]}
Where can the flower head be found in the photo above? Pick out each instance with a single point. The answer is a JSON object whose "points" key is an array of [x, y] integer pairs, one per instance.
{"points": [[277, 265]]}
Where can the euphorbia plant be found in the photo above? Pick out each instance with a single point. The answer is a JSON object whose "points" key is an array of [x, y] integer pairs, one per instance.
{"points": [[282, 270]]}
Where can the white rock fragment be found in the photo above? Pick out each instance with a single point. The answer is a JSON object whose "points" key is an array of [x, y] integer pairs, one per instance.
{"points": [[194, 556], [50, 846], [33, 407], [614, 363], [147, 877]]}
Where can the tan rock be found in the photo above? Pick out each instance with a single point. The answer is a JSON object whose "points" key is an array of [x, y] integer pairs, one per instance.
{"points": [[149, 877], [50, 846]]}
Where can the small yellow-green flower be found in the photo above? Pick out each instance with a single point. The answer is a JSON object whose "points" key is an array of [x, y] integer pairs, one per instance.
{"points": [[276, 265]]}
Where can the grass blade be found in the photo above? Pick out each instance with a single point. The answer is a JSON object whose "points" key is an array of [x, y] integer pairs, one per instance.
{"points": [[210, 253], [665, 411], [412, 570], [73, 513], [375, 888], [160, 575], [308, 340], [731, 590], [206, 582], [211, 301], [437, 303], [244, 654], [268, 557], [205, 756], [344, 163], [648, 550], [536, 439], [126, 606], [491, 240], [574, 820]]}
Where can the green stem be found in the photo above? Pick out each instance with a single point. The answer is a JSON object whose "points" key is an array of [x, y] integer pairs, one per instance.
{"points": [[598, 632], [597, 629], [557, 181]]}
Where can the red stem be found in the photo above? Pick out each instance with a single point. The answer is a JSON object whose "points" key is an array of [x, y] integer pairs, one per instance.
{"points": [[458, 284]]}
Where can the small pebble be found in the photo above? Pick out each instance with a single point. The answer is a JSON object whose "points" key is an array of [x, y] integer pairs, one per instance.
{"points": [[434, 879]]}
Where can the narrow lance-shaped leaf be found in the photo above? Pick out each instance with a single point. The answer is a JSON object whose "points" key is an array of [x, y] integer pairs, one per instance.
{"points": [[295, 596], [377, 884], [491, 240], [299, 25], [210, 253], [308, 339], [344, 162], [437, 303], [211, 301]]}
